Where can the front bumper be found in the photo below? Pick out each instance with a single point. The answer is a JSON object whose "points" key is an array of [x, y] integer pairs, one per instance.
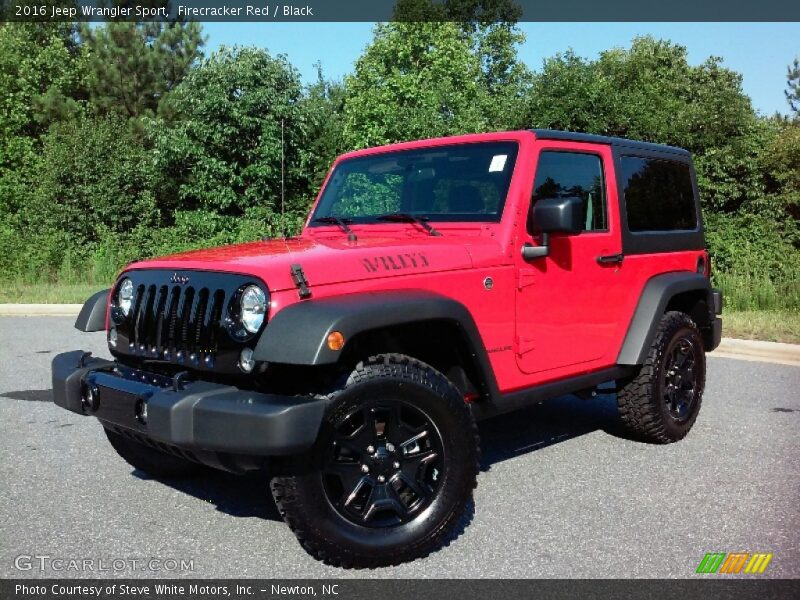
{"points": [[195, 416]]}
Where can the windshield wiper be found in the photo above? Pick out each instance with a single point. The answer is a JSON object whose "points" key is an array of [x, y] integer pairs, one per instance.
{"points": [[401, 217], [343, 223]]}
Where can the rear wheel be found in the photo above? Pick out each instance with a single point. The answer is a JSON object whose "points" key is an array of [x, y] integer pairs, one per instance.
{"points": [[391, 476], [662, 402], [152, 461]]}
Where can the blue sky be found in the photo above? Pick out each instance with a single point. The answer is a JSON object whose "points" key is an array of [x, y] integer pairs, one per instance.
{"points": [[759, 51]]}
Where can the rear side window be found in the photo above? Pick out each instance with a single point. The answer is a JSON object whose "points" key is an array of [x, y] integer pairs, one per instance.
{"points": [[567, 174], [658, 194]]}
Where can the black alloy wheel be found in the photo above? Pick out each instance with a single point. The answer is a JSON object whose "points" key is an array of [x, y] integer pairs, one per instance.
{"points": [[384, 464], [680, 383], [390, 478]]}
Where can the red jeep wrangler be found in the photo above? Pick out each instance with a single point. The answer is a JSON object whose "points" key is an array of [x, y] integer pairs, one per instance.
{"points": [[436, 283]]}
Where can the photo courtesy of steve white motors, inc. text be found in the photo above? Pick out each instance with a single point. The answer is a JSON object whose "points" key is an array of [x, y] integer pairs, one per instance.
{"points": [[171, 589]]}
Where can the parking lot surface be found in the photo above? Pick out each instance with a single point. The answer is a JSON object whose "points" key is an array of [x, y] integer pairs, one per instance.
{"points": [[561, 494]]}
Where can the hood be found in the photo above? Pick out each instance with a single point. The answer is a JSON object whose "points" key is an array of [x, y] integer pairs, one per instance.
{"points": [[324, 260]]}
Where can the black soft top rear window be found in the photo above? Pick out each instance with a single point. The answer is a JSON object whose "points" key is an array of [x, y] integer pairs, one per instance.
{"points": [[658, 193]]}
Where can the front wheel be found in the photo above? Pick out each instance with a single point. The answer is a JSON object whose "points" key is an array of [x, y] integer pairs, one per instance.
{"points": [[391, 476], [662, 402]]}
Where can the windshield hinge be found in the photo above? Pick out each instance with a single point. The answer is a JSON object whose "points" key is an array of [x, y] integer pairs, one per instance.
{"points": [[526, 277], [300, 282], [524, 345]]}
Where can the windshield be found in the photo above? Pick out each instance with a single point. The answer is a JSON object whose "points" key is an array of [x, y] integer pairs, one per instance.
{"points": [[465, 182]]}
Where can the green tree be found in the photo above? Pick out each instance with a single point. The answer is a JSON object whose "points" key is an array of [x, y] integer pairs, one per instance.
{"points": [[781, 168], [323, 105], [441, 68], [134, 66], [240, 140], [507, 80], [490, 26], [38, 61], [415, 80], [793, 86], [650, 92], [41, 78], [89, 198]]}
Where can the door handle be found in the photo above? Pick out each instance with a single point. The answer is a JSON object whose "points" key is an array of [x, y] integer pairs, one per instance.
{"points": [[610, 259]]}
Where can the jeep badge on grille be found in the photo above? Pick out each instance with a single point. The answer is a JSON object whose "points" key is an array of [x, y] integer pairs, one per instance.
{"points": [[181, 279]]}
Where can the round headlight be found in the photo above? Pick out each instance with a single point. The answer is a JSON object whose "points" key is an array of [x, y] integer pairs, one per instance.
{"points": [[254, 308], [125, 296]]}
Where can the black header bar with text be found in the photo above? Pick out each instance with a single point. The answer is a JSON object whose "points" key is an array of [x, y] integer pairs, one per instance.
{"points": [[386, 10], [397, 589]]}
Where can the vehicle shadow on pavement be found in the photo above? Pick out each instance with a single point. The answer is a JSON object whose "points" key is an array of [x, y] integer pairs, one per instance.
{"points": [[30, 395], [503, 437], [552, 422], [236, 495]]}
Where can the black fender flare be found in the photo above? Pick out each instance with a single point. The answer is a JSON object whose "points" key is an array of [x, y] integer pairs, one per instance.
{"points": [[655, 297], [298, 334], [93, 313]]}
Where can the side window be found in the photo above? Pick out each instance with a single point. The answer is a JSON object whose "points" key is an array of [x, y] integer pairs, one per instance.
{"points": [[565, 174], [658, 194]]}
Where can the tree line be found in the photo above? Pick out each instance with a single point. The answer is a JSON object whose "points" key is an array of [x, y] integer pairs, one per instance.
{"points": [[127, 140]]}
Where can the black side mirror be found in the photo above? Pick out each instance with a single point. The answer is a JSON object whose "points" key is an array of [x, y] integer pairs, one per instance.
{"points": [[557, 215], [553, 215]]}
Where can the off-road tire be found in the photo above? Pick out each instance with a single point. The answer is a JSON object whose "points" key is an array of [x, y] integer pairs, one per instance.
{"points": [[642, 406], [323, 531], [151, 461]]}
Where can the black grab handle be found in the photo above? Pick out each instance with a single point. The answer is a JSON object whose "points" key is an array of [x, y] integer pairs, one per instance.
{"points": [[610, 259]]}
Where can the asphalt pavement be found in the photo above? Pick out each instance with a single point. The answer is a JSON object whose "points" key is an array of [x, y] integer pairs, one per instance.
{"points": [[561, 494]]}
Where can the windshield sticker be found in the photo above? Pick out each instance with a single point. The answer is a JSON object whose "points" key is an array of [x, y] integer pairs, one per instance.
{"points": [[498, 163], [395, 262]]}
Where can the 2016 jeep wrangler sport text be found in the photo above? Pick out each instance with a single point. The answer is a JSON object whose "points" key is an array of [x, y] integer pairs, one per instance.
{"points": [[435, 283]]}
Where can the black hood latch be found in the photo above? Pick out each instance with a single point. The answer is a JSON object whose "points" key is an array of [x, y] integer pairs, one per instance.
{"points": [[300, 282]]}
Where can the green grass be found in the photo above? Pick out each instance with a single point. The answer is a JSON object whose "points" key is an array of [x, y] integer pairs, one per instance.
{"points": [[760, 293], [759, 308], [47, 293], [766, 325]]}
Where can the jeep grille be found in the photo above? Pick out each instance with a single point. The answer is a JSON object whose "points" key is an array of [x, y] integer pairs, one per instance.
{"points": [[176, 319], [192, 325]]}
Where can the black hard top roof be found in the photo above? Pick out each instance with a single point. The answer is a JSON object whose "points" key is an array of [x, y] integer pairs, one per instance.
{"points": [[553, 134]]}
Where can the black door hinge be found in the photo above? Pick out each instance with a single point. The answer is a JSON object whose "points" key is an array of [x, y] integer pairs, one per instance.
{"points": [[300, 282]]}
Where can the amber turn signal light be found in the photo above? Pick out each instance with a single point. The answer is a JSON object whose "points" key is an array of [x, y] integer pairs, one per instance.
{"points": [[335, 340]]}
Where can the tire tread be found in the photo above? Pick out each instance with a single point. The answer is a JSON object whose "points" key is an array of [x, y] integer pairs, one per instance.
{"points": [[290, 503], [639, 406]]}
